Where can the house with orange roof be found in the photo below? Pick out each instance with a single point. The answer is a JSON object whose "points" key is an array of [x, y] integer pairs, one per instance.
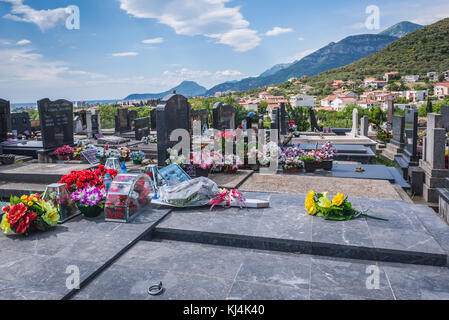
{"points": [[391, 75], [326, 102], [441, 90], [337, 84], [368, 103], [340, 103]]}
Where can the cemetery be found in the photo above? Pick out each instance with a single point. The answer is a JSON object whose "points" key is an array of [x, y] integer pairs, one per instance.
{"points": [[216, 209]]}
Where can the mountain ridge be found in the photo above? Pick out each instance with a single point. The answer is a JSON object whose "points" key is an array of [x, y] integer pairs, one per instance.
{"points": [[335, 54], [186, 88], [401, 29], [424, 50]]}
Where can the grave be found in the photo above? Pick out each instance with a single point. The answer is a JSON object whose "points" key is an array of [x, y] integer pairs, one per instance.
{"points": [[122, 121], [5, 119], [173, 113], [20, 122], [283, 119], [355, 123], [410, 157], [56, 123], [347, 152], [433, 162], [142, 128], [260, 123], [200, 118], [396, 146], [223, 117], [364, 125], [87, 122], [153, 116], [313, 122], [443, 201]]}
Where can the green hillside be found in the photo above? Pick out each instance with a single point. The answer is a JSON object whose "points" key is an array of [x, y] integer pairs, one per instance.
{"points": [[424, 50]]}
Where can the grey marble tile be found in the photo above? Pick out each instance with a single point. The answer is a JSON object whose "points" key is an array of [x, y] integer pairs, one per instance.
{"points": [[280, 200], [51, 276], [414, 241], [326, 295], [242, 290], [291, 224], [347, 277], [350, 233], [287, 270], [414, 282]]}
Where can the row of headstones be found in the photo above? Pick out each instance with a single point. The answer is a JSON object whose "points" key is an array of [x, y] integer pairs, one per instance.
{"points": [[88, 122], [56, 118], [10, 122], [175, 112], [405, 137]]}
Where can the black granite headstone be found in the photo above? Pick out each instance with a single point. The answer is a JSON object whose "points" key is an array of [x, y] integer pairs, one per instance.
{"points": [[223, 117], [122, 123], [398, 131], [56, 123], [283, 119], [142, 128], [172, 113], [313, 122], [21, 123], [411, 135], [5, 120], [153, 115], [131, 117]]}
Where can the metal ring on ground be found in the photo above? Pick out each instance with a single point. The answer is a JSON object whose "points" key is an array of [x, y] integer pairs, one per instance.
{"points": [[156, 289]]}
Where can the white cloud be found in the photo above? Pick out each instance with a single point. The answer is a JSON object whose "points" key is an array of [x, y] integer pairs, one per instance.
{"points": [[153, 41], [278, 31], [209, 18], [301, 39], [23, 42], [44, 19], [125, 54]]}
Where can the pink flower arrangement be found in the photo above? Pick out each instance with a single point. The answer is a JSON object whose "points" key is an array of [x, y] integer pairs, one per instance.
{"points": [[89, 196], [64, 151]]}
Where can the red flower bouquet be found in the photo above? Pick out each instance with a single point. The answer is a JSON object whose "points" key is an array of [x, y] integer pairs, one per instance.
{"points": [[78, 180]]}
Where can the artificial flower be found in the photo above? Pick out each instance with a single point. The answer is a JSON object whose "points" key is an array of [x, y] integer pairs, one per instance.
{"points": [[338, 199], [324, 201], [5, 226], [311, 206]]}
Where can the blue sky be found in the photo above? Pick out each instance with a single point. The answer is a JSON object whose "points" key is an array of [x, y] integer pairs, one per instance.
{"points": [[142, 46]]}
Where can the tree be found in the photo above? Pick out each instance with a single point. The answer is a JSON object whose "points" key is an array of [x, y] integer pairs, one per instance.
{"points": [[300, 116], [263, 107], [377, 116]]}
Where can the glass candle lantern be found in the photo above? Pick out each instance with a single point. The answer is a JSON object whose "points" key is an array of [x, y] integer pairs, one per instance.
{"points": [[113, 163], [58, 195], [129, 195]]}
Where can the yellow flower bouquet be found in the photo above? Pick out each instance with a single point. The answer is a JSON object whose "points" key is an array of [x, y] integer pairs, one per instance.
{"points": [[340, 209]]}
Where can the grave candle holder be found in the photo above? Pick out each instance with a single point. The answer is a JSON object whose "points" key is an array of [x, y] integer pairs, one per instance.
{"points": [[113, 164], [129, 195], [58, 195]]}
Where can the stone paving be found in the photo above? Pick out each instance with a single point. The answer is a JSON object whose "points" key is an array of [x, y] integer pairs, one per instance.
{"points": [[34, 267], [216, 260], [199, 272], [286, 226]]}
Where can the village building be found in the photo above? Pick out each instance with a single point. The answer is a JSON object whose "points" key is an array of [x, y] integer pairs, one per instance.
{"points": [[441, 90]]}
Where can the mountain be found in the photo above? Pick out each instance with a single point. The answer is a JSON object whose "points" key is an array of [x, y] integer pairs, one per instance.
{"points": [[186, 88], [275, 69], [401, 29], [329, 57], [419, 52]]}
